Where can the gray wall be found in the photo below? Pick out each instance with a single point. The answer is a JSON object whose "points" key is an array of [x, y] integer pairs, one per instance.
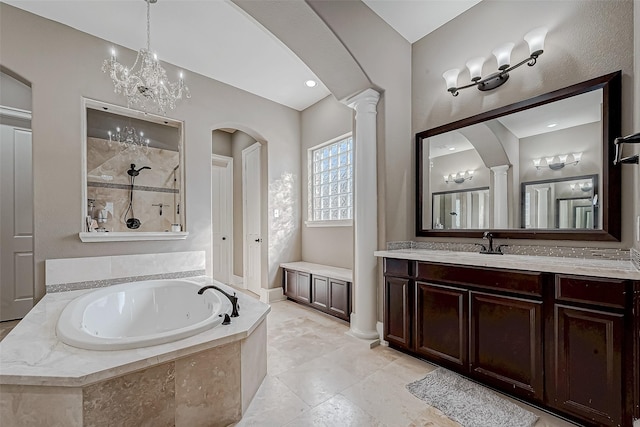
{"points": [[322, 122], [14, 93], [221, 143], [30, 44], [586, 39]]}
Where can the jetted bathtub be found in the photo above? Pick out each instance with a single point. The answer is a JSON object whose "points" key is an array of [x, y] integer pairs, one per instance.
{"points": [[140, 314]]}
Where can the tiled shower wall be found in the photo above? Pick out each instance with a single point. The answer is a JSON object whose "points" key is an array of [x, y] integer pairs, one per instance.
{"points": [[109, 184], [554, 251]]}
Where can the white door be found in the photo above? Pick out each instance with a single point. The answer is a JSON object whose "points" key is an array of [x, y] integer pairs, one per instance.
{"points": [[251, 217], [222, 217], [16, 223]]}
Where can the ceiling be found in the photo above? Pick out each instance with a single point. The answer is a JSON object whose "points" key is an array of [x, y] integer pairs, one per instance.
{"points": [[217, 39]]}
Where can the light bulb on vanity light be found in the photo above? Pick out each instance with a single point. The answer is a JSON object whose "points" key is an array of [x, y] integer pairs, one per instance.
{"points": [[535, 40], [577, 157], [536, 163], [503, 55], [475, 68], [451, 77]]}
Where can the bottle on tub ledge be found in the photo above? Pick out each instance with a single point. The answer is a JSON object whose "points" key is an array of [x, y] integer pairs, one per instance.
{"points": [[176, 227]]}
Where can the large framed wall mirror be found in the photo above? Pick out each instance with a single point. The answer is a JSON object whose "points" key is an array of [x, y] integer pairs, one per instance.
{"points": [[538, 169], [134, 175]]}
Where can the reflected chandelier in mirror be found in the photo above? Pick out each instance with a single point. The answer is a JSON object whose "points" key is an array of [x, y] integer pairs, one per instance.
{"points": [[562, 136], [134, 178]]}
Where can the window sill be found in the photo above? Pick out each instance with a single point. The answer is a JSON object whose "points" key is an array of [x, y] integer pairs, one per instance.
{"points": [[335, 223], [127, 236]]}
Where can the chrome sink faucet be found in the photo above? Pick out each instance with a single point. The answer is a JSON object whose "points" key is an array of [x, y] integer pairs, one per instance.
{"points": [[233, 298], [490, 249]]}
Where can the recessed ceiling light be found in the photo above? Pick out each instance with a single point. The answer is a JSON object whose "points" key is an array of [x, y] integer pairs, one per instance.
{"points": [[311, 83], [452, 148], [552, 125]]}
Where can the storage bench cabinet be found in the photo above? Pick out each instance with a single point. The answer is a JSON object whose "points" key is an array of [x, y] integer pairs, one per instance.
{"points": [[322, 287], [568, 343]]}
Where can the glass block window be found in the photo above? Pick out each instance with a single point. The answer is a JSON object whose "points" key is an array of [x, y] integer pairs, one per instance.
{"points": [[331, 181]]}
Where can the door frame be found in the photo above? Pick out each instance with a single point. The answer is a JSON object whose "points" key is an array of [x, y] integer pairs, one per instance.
{"points": [[227, 163]]}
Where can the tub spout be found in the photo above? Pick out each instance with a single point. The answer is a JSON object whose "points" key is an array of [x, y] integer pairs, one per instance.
{"points": [[233, 298]]}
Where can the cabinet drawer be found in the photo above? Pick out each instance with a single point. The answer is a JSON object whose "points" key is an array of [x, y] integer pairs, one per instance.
{"points": [[505, 280], [590, 290], [398, 267]]}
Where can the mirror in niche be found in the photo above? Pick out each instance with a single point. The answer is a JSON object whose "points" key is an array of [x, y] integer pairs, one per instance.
{"points": [[461, 209], [557, 137], [569, 203], [134, 173]]}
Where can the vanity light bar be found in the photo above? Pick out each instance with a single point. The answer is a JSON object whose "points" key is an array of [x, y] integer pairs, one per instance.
{"points": [[459, 177], [557, 165], [535, 40]]}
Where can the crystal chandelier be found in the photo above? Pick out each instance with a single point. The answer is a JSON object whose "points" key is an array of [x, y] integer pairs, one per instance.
{"points": [[129, 138], [145, 84]]}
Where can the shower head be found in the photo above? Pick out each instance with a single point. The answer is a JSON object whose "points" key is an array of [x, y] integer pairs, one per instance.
{"points": [[134, 172]]}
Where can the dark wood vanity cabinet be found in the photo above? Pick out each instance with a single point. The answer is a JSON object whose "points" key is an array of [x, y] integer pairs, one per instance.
{"points": [[588, 349], [398, 302], [506, 343], [442, 324], [567, 343]]}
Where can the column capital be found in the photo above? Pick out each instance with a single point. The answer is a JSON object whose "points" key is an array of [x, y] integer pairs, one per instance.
{"points": [[366, 97], [500, 169]]}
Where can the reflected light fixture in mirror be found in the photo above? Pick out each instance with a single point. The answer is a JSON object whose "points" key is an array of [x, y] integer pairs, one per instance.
{"points": [[459, 177], [562, 161], [534, 38]]}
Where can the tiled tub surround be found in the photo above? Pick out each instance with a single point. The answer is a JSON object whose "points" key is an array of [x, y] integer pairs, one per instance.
{"points": [[69, 274], [207, 379], [108, 183], [579, 266], [549, 251]]}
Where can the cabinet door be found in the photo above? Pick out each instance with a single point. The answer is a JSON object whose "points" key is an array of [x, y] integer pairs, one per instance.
{"points": [[291, 284], [587, 377], [441, 324], [339, 298], [397, 311], [304, 286], [320, 292], [506, 348]]}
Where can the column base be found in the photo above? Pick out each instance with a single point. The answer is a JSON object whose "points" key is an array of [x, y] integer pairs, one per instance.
{"points": [[354, 331]]}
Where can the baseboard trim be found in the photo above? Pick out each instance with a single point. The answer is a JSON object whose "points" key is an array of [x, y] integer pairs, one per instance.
{"points": [[271, 295], [380, 329]]}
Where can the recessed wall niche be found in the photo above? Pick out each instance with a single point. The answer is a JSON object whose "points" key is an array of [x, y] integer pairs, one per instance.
{"points": [[133, 175]]}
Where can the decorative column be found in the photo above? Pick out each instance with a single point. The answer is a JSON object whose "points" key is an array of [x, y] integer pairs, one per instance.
{"points": [[365, 216], [500, 197]]}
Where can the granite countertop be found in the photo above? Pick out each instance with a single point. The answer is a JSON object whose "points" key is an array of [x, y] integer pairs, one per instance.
{"points": [[320, 269], [31, 354], [578, 266]]}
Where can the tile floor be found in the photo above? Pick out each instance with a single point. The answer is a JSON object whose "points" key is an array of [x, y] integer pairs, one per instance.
{"points": [[318, 376]]}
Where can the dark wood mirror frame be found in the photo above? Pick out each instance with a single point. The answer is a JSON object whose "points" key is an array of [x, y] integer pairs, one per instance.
{"points": [[610, 197]]}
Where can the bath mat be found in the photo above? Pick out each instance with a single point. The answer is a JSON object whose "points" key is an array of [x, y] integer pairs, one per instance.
{"points": [[468, 403]]}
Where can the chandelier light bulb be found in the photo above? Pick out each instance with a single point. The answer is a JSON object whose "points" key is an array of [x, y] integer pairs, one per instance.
{"points": [[503, 55], [535, 40]]}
